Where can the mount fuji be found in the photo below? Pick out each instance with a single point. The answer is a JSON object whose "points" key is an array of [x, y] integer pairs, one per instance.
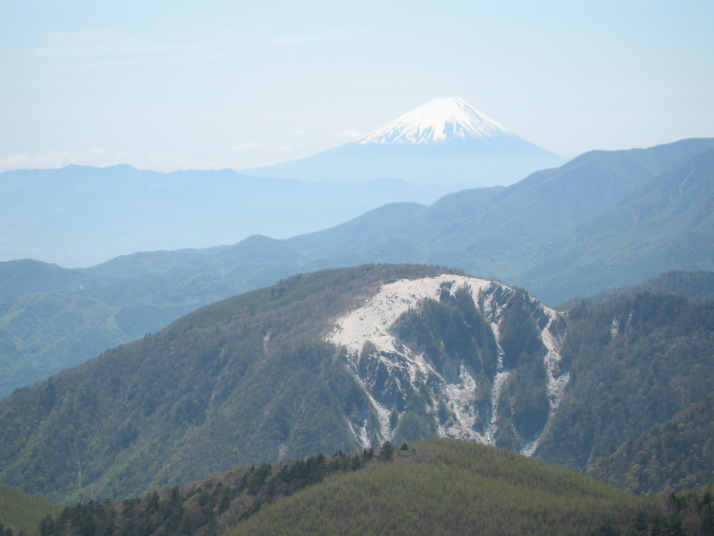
{"points": [[445, 141]]}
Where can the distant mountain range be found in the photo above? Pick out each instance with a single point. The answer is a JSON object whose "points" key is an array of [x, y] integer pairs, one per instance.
{"points": [[79, 215], [563, 234], [347, 359], [514, 233], [443, 141]]}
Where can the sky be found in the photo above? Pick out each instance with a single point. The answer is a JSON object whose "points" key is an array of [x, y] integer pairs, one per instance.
{"points": [[211, 85]]}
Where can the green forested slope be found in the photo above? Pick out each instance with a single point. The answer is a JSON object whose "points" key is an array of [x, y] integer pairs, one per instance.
{"points": [[436, 487], [242, 381], [562, 233], [635, 360], [674, 455], [693, 284], [449, 487], [45, 332], [249, 380], [665, 224]]}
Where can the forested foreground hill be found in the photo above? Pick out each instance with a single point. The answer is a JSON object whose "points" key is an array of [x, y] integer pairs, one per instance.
{"points": [[20, 511], [435, 487], [447, 487], [450, 487]]}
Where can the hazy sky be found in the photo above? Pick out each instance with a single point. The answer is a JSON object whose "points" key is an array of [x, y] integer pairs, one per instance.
{"points": [[173, 85]]}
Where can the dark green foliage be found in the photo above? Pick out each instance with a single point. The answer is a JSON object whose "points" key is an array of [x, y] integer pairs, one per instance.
{"points": [[524, 397], [689, 514], [520, 337], [607, 528], [415, 423], [450, 331], [387, 451], [675, 455], [439, 487], [635, 361], [524, 400], [208, 507]]}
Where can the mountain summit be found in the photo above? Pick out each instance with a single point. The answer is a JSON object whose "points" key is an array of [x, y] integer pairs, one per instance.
{"points": [[445, 141], [437, 121]]}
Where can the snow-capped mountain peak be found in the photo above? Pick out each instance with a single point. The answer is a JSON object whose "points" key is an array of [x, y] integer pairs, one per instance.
{"points": [[438, 120]]}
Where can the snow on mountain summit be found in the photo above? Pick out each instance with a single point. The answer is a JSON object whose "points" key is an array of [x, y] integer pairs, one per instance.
{"points": [[436, 121], [445, 141]]}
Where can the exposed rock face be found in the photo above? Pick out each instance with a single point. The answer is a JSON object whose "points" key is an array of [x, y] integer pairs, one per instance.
{"points": [[457, 356]]}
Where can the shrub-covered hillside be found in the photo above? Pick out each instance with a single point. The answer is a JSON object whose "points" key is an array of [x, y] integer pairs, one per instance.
{"points": [[21, 511], [435, 487], [449, 487]]}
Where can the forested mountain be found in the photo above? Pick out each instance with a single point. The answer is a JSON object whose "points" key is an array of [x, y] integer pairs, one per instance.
{"points": [[67, 316], [635, 361], [694, 284], [504, 231], [688, 284], [561, 233], [256, 378], [347, 359], [490, 231], [667, 223], [672, 455], [466, 489]]}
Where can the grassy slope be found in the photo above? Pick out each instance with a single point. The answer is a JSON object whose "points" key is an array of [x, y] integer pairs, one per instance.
{"points": [[21, 510], [449, 487]]}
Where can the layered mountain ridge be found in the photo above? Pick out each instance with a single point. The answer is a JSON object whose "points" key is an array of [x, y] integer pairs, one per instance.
{"points": [[345, 359], [561, 233], [463, 349], [44, 212]]}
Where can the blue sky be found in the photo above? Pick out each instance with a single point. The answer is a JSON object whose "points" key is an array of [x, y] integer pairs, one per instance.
{"points": [[176, 85]]}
